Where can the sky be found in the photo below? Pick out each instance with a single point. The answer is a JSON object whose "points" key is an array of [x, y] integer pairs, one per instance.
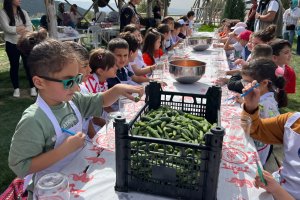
{"points": [[176, 7]]}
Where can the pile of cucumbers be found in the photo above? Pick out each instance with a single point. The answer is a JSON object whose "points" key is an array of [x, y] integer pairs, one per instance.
{"points": [[168, 123], [171, 124]]}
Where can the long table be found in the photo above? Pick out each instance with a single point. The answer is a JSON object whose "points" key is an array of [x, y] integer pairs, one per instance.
{"points": [[237, 168]]}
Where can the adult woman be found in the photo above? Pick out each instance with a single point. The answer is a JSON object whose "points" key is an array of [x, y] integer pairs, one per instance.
{"points": [[75, 17], [15, 22]]}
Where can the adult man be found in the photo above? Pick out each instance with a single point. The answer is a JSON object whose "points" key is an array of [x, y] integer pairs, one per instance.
{"points": [[290, 19], [269, 12], [129, 15]]}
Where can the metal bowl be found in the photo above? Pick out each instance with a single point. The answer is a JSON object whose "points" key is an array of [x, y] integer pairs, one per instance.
{"points": [[200, 43], [187, 71]]}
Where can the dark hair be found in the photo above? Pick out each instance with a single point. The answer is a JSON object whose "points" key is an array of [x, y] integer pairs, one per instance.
{"points": [[190, 13], [262, 51], [101, 58], [81, 52], [131, 40], [163, 28], [261, 69], [177, 25], [49, 57], [131, 28], [117, 43], [267, 34], [27, 41], [184, 17], [278, 44], [151, 36], [73, 9], [167, 19], [8, 7], [61, 7]]}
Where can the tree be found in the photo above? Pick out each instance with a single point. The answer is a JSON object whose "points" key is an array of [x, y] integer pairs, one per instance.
{"points": [[234, 9]]}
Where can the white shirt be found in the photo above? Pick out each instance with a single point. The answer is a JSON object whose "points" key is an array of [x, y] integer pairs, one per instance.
{"points": [[10, 32], [293, 17], [75, 18], [138, 61], [273, 6]]}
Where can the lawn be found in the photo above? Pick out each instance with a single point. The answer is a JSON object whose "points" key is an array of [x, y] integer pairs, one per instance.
{"points": [[11, 110]]}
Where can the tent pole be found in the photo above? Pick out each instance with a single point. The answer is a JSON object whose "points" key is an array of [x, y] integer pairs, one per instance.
{"points": [[51, 15]]}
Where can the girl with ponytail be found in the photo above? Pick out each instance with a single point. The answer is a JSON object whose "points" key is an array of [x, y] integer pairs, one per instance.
{"points": [[272, 94]]}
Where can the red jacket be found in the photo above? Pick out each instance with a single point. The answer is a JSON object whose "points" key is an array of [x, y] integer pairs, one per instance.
{"points": [[290, 78], [147, 58]]}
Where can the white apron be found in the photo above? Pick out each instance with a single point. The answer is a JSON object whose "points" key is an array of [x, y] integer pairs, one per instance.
{"points": [[60, 137], [290, 173]]}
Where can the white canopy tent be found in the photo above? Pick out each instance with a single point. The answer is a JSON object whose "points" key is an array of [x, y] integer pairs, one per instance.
{"points": [[51, 11]]}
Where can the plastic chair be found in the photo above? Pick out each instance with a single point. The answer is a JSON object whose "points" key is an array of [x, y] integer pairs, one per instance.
{"points": [[94, 33]]}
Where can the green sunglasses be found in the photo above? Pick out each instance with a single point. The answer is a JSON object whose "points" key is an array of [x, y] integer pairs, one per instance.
{"points": [[68, 83]]}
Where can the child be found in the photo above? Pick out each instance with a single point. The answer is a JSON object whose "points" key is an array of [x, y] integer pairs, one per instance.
{"points": [[183, 30], [169, 21], [261, 37], [166, 33], [283, 129], [151, 49], [191, 16], [282, 54], [120, 48], [259, 51], [83, 58], [138, 65], [39, 146], [133, 53], [272, 187], [84, 68], [263, 71], [239, 47], [174, 34], [102, 63]]}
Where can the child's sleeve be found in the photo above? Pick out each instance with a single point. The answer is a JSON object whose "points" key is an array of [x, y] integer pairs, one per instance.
{"points": [[270, 130], [28, 141], [89, 105]]}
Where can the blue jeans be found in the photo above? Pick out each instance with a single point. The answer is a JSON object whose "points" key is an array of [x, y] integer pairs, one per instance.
{"points": [[289, 35]]}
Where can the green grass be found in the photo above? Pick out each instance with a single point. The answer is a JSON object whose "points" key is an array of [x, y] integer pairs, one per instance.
{"points": [[11, 110], [207, 28]]}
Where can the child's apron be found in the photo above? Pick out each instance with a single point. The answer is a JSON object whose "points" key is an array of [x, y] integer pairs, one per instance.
{"points": [[59, 139], [290, 173]]}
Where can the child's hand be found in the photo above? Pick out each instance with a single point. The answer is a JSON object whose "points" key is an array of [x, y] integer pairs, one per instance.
{"points": [[252, 99], [72, 143], [272, 185], [240, 62], [128, 90], [238, 99]]}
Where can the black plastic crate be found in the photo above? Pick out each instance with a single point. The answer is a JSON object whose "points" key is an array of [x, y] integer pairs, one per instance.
{"points": [[190, 174]]}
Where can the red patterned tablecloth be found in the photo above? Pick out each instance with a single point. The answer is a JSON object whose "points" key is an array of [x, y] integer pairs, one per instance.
{"points": [[237, 168]]}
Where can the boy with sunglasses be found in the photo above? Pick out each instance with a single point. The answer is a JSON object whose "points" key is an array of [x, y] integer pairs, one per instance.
{"points": [[41, 143]]}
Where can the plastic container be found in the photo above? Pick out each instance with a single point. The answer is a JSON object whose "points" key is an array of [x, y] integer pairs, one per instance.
{"points": [[192, 175]]}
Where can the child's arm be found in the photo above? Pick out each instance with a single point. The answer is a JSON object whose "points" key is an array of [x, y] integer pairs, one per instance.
{"points": [[142, 71], [272, 187], [140, 79], [44, 160], [270, 130], [112, 95], [228, 45]]}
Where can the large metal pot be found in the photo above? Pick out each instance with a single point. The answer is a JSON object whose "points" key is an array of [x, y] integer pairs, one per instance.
{"points": [[200, 43], [187, 71]]}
